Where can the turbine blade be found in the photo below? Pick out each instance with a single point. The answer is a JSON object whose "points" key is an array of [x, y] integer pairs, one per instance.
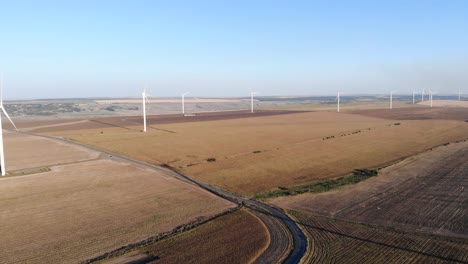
{"points": [[6, 114]]}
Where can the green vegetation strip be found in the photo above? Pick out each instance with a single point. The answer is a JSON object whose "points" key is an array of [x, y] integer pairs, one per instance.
{"points": [[323, 186]]}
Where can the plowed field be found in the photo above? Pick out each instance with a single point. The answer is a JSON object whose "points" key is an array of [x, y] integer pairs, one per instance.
{"points": [[337, 241], [239, 237], [425, 193]]}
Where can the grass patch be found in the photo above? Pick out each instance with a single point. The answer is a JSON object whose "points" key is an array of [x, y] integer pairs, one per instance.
{"points": [[323, 186]]}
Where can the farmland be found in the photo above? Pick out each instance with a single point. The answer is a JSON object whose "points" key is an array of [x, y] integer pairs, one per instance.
{"points": [[78, 210], [425, 193], [414, 211], [338, 241], [260, 154], [238, 237]]}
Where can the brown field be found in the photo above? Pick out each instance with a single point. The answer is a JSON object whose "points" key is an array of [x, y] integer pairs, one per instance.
{"points": [[417, 113], [23, 151], [426, 192], [260, 154], [78, 211], [337, 241], [238, 237], [445, 103], [135, 123], [170, 100]]}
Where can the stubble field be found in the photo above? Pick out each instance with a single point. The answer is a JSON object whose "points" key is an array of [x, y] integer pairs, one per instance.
{"points": [[239, 237], [253, 155], [80, 210]]}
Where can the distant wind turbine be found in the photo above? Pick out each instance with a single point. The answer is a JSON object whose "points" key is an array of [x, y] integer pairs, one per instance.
{"points": [[2, 152], [251, 101], [430, 95], [391, 99], [422, 95], [144, 99], [459, 93], [413, 95], [183, 102], [338, 102]]}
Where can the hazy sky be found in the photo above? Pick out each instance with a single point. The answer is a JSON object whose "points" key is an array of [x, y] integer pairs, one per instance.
{"points": [[95, 48]]}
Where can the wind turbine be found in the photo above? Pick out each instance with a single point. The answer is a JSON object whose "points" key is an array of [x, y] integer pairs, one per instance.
{"points": [[430, 95], [413, 95], [459, 93], [391, 99], [183, 102], [338, 102], [144, 99], [2, 153], [422, 95], [251, 101]]}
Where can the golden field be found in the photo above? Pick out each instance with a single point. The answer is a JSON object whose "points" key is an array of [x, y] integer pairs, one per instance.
{"points": [[263, 153], [83, 209]]}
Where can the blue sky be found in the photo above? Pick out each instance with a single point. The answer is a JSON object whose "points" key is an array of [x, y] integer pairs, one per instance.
{"points": [[51, 49]]}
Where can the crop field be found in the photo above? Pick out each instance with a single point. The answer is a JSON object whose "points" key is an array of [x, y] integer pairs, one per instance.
{"points": [[80, 210], [337, 241], [238, 237], [417, 113], [425, 193], [445, 103], [23, 151], [129, 122], [261, 154]]}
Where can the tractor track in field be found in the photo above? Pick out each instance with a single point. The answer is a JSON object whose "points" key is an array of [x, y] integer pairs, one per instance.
{"points": [[288, 242]]}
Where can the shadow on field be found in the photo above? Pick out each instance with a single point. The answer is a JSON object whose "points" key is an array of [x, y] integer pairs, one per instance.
{"points": [[112, 125]]}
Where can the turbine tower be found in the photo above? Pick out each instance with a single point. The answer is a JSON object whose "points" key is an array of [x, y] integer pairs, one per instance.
{"points": [[430, 96], [144, 99], [338, 102], [459, 93], [2, 152], [183, 102], [422, 95], [391, 99], [251, 101], [413, 95]]}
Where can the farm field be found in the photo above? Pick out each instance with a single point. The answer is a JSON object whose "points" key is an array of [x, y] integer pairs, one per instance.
{"points": [[238, 237], [338, 241], [445, 103], [129, 122], [417, 113], [24, 151], [425, 193], [253, 155], [80, 210]]}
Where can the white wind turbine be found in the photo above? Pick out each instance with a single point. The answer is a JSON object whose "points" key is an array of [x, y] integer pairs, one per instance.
{"points": [[414, 93], [251, 101], [144, 99], [459, 93], [183, 102], [2, 152], [430, 95], [422, 95], [391, 99], [338, 102]]}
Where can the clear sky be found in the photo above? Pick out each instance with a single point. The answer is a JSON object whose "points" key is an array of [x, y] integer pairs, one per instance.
{"points": [[95, 48]]}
